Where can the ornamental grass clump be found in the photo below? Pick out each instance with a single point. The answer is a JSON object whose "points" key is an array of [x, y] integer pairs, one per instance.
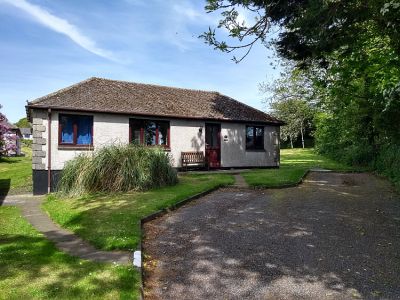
{"points": [[117, 168]]}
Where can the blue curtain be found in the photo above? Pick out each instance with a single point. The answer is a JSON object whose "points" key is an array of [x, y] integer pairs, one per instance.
{"points": [[84, 134], [67, 134]]}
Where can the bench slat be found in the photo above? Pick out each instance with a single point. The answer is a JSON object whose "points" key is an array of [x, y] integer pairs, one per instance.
{"points": [[193, 158]]}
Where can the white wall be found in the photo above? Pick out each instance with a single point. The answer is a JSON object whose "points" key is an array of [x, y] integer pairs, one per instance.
{"points": [[107, 129], [233, 147], [184, 136]]}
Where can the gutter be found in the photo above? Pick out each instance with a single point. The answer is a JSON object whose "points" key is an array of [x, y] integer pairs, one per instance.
{"points": [[49, 150], [169, 116]]}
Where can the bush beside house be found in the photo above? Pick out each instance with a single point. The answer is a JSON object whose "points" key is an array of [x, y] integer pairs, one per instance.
{"points": [[117, 168]]}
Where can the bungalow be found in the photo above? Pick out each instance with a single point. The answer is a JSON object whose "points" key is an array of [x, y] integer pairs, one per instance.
{"points": [[26, 133], [97, 112]]}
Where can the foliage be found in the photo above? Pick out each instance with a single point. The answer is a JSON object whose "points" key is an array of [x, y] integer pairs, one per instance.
{"points": [[298, 116], [388, 163], [31, 267], [23, 123], [291, 100], [16, 173], [113, 221], [7, 138], [351, 53], [361, 102], [294, 164], [117, 168], [309, 30], [27, 143]]}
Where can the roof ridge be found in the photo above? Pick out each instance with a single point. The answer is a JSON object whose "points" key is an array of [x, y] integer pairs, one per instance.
{"points": [[134, 97], [155, 85], [185, 89]]}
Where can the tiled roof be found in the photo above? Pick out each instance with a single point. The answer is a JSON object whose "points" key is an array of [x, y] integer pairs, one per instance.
{"points": [[112, 96], [26, 130]]}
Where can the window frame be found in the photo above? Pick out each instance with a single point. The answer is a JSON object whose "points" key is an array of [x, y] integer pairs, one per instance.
{"points": [[74, 131], [254, 147], [142, 140]]}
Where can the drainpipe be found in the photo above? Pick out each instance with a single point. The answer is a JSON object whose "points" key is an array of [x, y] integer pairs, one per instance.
{"points": [[49, 150]]}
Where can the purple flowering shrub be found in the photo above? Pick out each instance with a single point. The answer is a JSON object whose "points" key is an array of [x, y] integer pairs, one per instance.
{"points": [[7, 137]]}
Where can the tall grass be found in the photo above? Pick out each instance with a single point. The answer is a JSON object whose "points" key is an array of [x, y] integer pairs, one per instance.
{"points": [[117, 168]]}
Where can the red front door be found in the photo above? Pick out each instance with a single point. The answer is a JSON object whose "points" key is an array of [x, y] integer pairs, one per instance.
{"points": [[213, 145]]}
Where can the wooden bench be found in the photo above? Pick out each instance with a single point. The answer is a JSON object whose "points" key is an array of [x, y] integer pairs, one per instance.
{"points": [[196, 159]]}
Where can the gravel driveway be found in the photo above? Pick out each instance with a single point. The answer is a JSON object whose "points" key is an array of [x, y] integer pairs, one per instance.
{"points": [[337, 236]]}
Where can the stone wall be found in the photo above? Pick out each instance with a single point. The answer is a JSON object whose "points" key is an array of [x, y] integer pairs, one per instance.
{"points": [[39, 118]]}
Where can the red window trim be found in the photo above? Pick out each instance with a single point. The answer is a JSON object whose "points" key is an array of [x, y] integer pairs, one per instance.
{"points": [[142, 122], [253, 147], [75, 132]]}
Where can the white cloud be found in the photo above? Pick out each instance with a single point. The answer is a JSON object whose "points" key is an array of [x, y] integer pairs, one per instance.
{"points": [[183, 20], [188, 12], [243, 16], [60, 25]]}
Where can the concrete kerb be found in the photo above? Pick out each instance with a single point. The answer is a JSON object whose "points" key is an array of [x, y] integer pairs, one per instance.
{"points": [[164, 211], [285, 186], [65, 240], [137, 257], [158, 214]]}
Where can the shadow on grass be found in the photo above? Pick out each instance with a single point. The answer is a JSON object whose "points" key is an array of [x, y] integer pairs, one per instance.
{"points": [[14, 160], [32, 267], [113, 221], [5, 185]]}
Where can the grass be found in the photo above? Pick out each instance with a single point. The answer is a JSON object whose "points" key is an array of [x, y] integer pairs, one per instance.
{"points": [[294, 164], [113, 221], [16, 173], [32, 268]]}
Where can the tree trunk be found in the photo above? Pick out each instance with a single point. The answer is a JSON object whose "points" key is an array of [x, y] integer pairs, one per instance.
{"points": [[302, 136], [291, 142]]}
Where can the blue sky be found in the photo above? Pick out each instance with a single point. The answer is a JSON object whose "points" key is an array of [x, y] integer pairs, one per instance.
{"points": [[46, 45]]}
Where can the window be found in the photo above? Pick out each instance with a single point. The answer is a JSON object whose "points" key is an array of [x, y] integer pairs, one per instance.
{"points": [[75, 130], [213, 135], [255, 137], [149, 132]]}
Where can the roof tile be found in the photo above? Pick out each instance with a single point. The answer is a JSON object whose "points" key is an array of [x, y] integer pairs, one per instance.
{"points": [[104, 95]]}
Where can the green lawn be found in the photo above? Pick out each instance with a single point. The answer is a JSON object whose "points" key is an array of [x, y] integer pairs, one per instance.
{"points": [[32, 268], [112, 221], [294, 164], [16, 173]]}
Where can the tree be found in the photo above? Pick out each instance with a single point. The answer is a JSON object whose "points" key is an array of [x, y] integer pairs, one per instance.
{"points": [[23, 123], [350, 50], [6, 140], [291, 99], [297, 114], [308, 30]]}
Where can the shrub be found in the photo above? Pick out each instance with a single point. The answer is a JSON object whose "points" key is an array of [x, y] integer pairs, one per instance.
{"points": [[388, 163], [117, 168], [27, 143]]}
